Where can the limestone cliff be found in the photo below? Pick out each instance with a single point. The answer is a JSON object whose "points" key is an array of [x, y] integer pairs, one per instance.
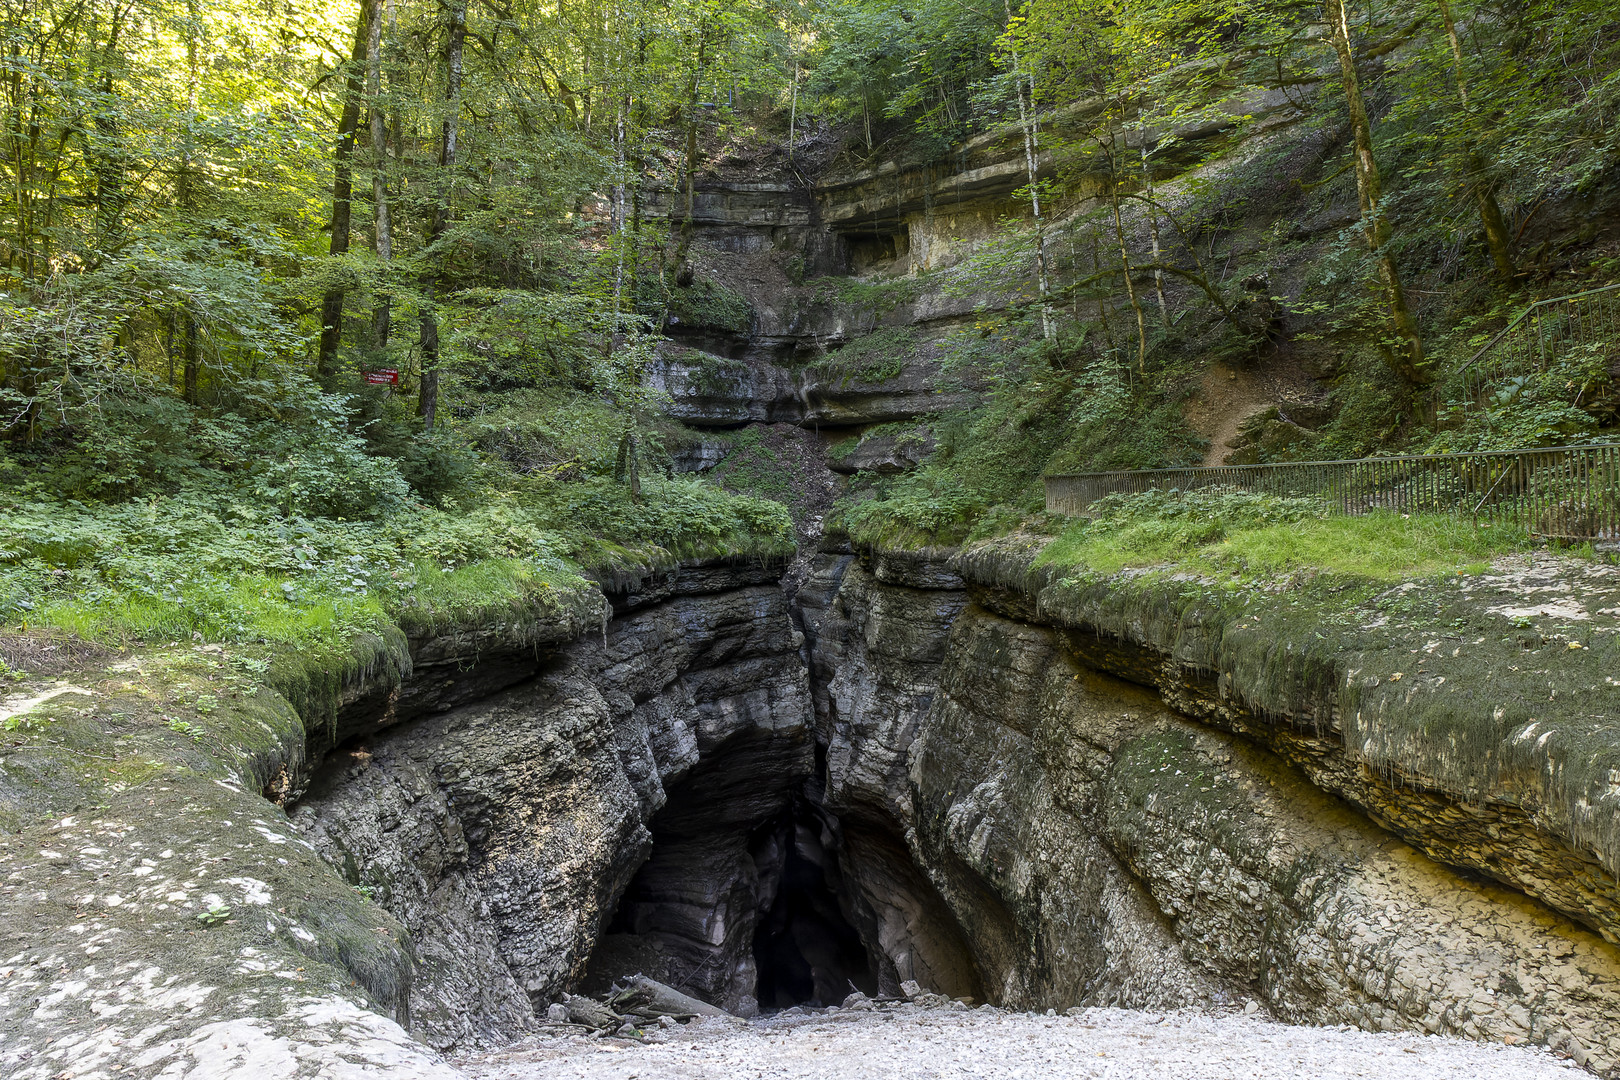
{"points": [[1393, 808], [504, 834], [1096, 846]]}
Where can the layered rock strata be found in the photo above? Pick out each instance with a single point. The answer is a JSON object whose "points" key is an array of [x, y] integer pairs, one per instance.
{"points": [[1094, 846], [504, 833]]}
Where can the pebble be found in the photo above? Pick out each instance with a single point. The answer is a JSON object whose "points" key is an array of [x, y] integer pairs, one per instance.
{"points": [[898, 1041]]}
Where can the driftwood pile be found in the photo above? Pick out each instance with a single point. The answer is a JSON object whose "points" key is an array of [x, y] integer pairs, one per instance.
{"points": [[632, 1004]]}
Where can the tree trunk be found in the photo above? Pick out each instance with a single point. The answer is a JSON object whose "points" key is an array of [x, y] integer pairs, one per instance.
{"points": [[427, 402], [382, 310], [1407, 361], [1497, 237], [189, 388], [112, 193], [621, 220], [1026, 121], [683, 272], [793, 108], [628, 466], [1102, 306], [342, 195], [1125, 258], [1153, 228]]}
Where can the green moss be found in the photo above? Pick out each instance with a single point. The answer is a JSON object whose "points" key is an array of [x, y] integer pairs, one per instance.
{"points": [[754, 467], [1437, 679], [715, 376], [872, 358], [707, 304], [868, 298]]}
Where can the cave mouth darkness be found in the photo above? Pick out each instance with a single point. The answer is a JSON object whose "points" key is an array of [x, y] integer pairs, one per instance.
{"points": [[805, 950], [737, 918]]}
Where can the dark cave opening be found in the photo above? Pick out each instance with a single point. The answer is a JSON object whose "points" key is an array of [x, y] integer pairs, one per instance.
{"points": [[805, 950], [741, 918]]}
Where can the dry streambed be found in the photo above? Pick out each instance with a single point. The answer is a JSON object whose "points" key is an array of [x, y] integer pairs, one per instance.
{"points": [[916, 1042]]}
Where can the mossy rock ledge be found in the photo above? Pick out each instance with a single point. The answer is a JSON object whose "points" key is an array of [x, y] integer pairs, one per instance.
{"points": [[1476, 716], [158, 911], [1154, 790]]}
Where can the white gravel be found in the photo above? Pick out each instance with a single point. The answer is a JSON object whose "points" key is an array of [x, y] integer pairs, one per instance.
{"points": [[916, 1043]]}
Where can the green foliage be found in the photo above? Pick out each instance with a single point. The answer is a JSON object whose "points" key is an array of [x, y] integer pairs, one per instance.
{"points": [[283, 442], [878, 58], [1231, 532], [546, 429], [754, 467], [683, 517], [872, 358], [1051, 407], [708, 305], [189, 567], [930, 506]]}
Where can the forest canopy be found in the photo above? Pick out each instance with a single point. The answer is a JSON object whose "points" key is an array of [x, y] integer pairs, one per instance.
{"points": [[349, 275]]}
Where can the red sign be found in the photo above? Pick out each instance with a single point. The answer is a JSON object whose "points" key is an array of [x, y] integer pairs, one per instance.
{"points": [[383, 377]]}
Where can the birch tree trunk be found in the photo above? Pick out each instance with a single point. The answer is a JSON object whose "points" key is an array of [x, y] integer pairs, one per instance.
{"points": [[1026, 121], [1153, 230], [1125, 255]]}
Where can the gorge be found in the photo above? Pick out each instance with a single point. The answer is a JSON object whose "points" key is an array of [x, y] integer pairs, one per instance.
{"points": [[772, 782]]}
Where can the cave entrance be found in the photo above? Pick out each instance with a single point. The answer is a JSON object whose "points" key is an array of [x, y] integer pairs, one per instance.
{"points": [[878, 248], [742, 917], [805, 950]]}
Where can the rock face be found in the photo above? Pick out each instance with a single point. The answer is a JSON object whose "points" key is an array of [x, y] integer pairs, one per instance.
{"points": [[875, 660], [1092, 846], [909, 773], [503, 834], [887, 770]]}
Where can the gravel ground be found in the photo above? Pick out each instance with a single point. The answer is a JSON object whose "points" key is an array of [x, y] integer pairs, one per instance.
{"points": [[917, 1043]]}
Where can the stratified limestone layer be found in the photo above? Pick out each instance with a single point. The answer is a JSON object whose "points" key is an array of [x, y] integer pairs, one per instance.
{"points": [[1096, 845]]}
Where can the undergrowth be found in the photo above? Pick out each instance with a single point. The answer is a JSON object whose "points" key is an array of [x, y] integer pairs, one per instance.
{"points": [[188, 568], [1240, 533]]}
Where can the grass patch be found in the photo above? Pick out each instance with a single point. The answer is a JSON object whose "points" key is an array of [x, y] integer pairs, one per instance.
{"points": [[253, 607], [490, 592], [194, 570], [1383, 545], [1234, 532]]}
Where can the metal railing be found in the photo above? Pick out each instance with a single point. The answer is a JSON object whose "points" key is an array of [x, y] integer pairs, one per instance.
{"points": [[1543, 334], [1566, 492]]}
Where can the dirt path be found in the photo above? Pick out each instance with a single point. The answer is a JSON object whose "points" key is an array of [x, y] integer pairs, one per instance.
{"points": [[1228, 396], [908, 1042]]}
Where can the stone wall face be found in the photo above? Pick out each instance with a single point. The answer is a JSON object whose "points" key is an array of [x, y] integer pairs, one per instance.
{"points": [[875, 653], [1096, 847], [503, 833]]}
